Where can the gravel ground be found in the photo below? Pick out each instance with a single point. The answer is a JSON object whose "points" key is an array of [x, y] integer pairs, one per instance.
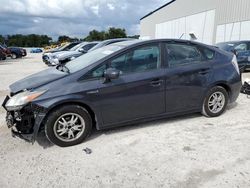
{"points": [[190, 151]]}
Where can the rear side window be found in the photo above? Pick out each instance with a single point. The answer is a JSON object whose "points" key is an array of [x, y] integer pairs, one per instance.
{"points": [[183, 54]]}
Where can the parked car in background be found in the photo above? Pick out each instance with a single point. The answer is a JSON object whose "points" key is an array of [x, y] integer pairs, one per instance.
{"points": [[65, 56], [108, 42], [36, 50], [123, 83], [2, 55], [5, 50], [13, 52], [242, 51], [17, 52], [66, 47]]}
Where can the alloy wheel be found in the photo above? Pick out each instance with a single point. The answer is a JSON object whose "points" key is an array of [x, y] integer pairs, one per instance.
{"points": [[69, 127], [216, 102]]}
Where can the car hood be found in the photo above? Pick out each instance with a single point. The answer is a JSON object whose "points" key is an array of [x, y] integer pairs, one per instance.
{"points": [[53, 51], [37, 80]]}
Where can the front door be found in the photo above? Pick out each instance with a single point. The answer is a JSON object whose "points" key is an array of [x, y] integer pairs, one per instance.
{"points": [[139, 92]]}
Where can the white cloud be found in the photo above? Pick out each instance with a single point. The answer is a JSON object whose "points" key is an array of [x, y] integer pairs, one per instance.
{"points": [[111, 6], [74, 18], [95, 10]]}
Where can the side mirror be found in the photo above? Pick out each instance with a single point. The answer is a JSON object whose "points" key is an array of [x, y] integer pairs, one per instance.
{"points": [[111, 73], [82, 51]]}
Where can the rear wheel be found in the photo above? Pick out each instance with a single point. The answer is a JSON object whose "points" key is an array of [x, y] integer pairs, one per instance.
{"points": [[68, 125], [13, 56], [215, 102]]}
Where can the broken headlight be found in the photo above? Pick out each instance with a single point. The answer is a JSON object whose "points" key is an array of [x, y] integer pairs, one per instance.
{"points": [[18, 101]]}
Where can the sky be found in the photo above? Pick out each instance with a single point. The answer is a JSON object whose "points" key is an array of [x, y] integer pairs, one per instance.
{"points": [[74, 18]]}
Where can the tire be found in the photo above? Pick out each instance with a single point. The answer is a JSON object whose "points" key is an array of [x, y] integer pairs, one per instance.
{"points": [[60, 122], [13, 55], [211, 101]]}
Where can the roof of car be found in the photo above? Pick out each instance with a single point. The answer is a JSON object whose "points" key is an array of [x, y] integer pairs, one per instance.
{"points": [[131, 42]]}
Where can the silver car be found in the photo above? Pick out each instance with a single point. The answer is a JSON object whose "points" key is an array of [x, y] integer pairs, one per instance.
{"points": [[66, 56]]}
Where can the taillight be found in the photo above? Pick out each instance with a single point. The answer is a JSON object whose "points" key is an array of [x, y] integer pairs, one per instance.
{"points": [[235, 64]]}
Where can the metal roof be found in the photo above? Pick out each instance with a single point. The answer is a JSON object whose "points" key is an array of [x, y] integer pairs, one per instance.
{"points": [[158, 9]]}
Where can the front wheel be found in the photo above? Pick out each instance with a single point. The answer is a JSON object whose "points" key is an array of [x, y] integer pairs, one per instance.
{"points": [[68, 125], [215, 102]]}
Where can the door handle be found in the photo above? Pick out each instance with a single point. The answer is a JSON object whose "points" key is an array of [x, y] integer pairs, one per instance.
{"points": [[204, 71], [93, 92], [156, 82]]}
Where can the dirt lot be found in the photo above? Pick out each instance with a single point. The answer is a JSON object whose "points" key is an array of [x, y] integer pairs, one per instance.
{"points": [[191, 151]]}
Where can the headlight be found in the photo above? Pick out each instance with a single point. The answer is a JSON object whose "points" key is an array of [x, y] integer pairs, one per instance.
{"points": [[18, 101], [72, 58], [55, 62]]}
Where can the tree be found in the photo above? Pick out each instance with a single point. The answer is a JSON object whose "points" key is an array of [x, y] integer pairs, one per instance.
{"points": [[115, 33], [1, 39], [134, 37], [63, 38], [102, 35], [95, 36], [31, 40]]}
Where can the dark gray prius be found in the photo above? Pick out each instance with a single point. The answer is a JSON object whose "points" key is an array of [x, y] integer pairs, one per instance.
{"points": [[120, 84]]}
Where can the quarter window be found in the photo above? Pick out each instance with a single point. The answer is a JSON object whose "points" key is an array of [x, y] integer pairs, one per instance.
{"points": [[96, 73], [209, 54], [182, 54]]}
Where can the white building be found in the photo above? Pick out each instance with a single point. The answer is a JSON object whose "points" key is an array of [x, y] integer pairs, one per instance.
{"points": [[210, 21]]}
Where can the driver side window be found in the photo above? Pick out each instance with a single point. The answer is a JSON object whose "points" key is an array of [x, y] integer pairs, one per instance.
{"points": [[138, 60]]}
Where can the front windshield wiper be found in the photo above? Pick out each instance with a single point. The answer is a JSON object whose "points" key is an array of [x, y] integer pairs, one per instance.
{"points": [[63, 68]]}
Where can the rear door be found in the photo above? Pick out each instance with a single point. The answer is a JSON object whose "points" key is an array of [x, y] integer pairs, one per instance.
{"points": [[188, 75]]}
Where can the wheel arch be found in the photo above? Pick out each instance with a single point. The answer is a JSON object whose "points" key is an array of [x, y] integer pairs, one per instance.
{"points": [[224, 85], [84, 105]]}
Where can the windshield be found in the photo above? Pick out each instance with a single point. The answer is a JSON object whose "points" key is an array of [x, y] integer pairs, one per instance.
{"points": [[78, 46], [62, 47], [226, 46], [91, 57]]}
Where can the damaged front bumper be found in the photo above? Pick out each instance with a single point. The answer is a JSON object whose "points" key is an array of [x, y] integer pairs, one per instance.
{"points": [[26, 122]]}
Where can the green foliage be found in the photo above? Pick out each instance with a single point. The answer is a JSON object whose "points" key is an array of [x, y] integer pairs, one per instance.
{"points": [[1, 39], [28, 40], [65, 38], [134, 37], [102, 35], [95, 36], [34, 40], [115, 33]]}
